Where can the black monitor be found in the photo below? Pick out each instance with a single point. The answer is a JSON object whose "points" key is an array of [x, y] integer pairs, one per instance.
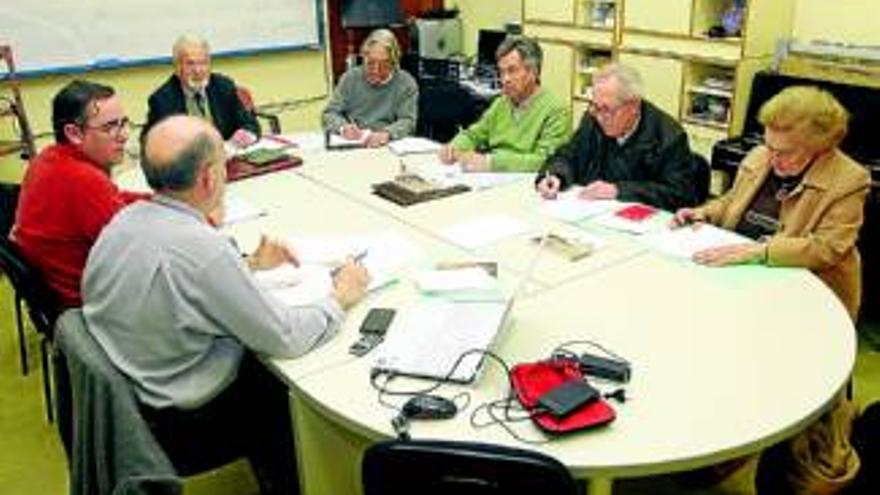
{"points": [[487, 44]]}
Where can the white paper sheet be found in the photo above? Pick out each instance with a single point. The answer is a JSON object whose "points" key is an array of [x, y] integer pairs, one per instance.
{"points": [[685, 241], [238, 210], [461, 279], [483, 231], [568, 207], [413, 145], [449, 175], [337, 140]]}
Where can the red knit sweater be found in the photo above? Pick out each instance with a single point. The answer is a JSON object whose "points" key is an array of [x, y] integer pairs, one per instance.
{"points": [[65, 201]]}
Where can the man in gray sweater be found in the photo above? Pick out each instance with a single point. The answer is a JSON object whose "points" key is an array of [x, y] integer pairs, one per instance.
{"points": [[178, 312], [377, 96]]}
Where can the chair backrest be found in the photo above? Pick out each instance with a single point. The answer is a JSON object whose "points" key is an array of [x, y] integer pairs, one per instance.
{"points": [[113, 449], [42, 303], [8, 206], [247, 101], [703, 178], [431, 467]]}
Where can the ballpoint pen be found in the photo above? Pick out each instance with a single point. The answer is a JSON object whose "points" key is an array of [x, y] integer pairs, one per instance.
{"points": [[359, 257]]}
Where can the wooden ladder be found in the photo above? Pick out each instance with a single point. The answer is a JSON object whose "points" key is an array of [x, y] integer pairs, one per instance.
{"points": [[14, 107]]}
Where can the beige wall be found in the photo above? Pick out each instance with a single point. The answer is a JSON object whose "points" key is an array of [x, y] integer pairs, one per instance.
{"points": [[845, 21], [484, 14], [274, 78]]}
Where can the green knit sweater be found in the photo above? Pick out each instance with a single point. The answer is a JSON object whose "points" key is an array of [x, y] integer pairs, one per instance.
{"points": [[521, 141]]}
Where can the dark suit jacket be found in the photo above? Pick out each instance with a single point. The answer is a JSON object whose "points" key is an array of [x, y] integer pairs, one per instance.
{"points": [[653, 166], [227, 110]]}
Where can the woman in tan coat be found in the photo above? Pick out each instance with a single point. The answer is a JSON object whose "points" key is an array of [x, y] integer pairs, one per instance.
{"points": [[798, 195]]}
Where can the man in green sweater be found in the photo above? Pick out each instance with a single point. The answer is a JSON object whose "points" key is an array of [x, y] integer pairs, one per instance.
{"points": [[521, 128], [377, 96]]}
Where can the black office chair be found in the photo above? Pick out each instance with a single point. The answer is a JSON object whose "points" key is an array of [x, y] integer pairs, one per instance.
{"points": [[446, 107], [42, 306], [8, 206], [703, 178], [431, 467]]}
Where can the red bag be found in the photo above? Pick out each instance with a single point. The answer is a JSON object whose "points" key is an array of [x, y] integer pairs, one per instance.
{"points": [[532, 380]]}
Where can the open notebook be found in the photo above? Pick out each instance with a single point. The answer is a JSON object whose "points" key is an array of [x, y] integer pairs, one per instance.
{"points": [[427, 339]]}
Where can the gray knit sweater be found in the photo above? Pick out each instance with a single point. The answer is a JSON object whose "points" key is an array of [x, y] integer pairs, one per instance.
{"points": [[391, 107]]}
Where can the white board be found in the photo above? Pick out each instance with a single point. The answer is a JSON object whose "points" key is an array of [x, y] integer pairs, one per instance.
{"points": [[78, 35]]}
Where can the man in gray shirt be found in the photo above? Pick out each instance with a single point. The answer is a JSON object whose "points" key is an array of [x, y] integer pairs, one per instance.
{"points": [[377, 96], [177, 310]]}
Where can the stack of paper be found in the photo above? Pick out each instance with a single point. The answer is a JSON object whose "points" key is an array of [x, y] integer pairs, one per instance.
{"points": [[412, 145]]}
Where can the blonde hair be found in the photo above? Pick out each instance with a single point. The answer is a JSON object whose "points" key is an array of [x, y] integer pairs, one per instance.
{"points": [[813, 115], [187, 41], [386, 39]]}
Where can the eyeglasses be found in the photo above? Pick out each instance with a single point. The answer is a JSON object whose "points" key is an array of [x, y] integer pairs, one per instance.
{"points": [[112, 128], [373, 63], [604, 111]]}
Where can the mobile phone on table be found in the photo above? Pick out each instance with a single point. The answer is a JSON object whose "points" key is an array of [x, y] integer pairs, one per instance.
{"points": [[372, 330]]}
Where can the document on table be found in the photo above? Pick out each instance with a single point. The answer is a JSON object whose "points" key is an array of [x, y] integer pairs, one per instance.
{"points": [[238, 210], [450, 175], [306, 141], [460, 284], [685, 241], [568, 207], [413, 145], [383, 256], [268, 142], [337, 141], [296, 286], [482, 231], [633, 218], [386, 252]]}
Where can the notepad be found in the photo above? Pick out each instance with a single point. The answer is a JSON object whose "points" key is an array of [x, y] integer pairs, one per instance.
{"points": [[684, 242]]}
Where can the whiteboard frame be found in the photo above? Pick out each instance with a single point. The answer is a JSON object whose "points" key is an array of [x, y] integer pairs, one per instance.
{"points": [[113, 64]]}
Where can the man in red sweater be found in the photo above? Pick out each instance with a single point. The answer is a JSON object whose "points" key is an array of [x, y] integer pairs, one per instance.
{"points": [[67, 195]]}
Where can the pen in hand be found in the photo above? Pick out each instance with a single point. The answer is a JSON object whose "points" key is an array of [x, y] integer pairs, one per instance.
{"points": [[359, 257]]}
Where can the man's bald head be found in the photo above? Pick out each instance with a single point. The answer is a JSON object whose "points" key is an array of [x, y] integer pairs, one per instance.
{"points": [[176, 148]]}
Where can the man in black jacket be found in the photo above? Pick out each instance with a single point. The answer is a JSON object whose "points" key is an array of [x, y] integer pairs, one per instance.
{"points": [[194, 90], [625, 148]]}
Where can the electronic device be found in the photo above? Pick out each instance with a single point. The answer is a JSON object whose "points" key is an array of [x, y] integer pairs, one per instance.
{"points": [[429, 407], [610, 369], [567, 397], [488, 41], [441, 339], [372, 330], [438, 38]]}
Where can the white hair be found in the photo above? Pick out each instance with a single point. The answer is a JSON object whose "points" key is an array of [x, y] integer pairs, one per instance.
{"points": [[630, 80]]}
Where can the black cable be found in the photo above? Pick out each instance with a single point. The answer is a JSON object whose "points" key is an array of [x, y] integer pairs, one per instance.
{"points": [[562, 349]]}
